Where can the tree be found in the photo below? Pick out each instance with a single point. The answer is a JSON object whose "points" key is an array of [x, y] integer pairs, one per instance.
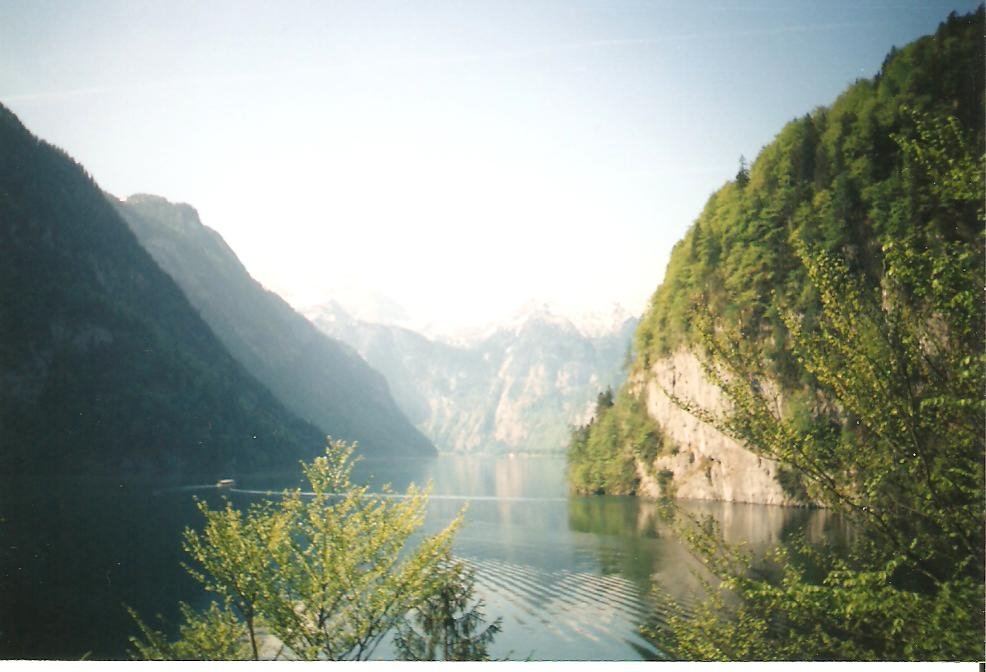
{"points": [[317, 575], [893, 441], [216, 634], [602, 453], [604, 400], [743, 173], [449, 622]]}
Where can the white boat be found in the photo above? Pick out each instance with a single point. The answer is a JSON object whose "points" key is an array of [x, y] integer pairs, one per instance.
{"points": [[225, 483]]}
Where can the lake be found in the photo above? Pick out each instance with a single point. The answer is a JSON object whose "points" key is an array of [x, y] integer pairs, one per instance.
{"points": [[570, 576]]}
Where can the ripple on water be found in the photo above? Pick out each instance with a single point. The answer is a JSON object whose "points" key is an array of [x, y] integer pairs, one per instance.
{"points": [[578, 615]]}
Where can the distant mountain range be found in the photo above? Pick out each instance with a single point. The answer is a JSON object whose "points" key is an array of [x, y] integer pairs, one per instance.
{"points": [[517, 388], [104, 364], [132, 339], [321, 380]]}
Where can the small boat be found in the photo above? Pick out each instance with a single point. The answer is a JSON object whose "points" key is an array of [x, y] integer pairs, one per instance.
{"points": [[225, 483]]}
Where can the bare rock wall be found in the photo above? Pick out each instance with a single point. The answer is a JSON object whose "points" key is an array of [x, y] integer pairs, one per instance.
{"points": [[707, 464]]}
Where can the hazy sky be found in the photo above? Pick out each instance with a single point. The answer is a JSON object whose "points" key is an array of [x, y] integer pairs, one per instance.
{"points": [[459, 157]]}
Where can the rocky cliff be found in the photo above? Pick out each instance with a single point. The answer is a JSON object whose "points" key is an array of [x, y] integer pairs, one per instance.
{"points": [[703, 462]]}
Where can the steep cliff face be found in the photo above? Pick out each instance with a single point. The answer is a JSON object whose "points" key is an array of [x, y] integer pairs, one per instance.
{"points": [[703, 462]]}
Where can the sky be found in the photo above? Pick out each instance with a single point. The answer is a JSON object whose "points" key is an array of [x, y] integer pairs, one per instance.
{"points": [[459, 159]]}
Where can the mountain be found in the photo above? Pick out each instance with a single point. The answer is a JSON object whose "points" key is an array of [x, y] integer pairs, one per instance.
{"points": [[105, 366], [598, 323], [316, 377], [518, 388], [370, 305], [850, 180]]}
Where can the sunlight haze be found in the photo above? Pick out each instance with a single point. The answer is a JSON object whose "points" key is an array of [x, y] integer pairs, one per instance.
{"points": [[459, 159]]}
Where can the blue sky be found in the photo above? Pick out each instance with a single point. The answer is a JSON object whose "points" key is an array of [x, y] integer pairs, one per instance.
{"points": [[459, 157]]}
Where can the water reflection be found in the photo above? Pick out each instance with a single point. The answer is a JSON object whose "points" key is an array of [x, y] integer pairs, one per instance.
{"points": [[633, 540], [571, 577], [760, 527]]}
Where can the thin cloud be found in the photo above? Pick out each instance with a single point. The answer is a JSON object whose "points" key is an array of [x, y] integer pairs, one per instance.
{"points": [[441, 60], [639, 41]]}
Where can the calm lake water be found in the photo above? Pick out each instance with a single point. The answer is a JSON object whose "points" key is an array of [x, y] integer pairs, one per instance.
{"points": [[571, 577]]}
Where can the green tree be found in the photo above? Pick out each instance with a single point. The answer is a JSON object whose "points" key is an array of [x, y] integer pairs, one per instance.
{"points": [[318, 575], [841, 287], [602, 454], [742, 173], [604, 400], [216, 634]]}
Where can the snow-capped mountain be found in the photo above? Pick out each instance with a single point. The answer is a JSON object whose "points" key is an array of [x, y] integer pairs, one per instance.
{"points": [[514, 387]]}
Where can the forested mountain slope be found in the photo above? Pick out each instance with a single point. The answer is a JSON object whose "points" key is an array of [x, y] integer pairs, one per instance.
{"points": [[887, 162], [316, 377], [105, 367]]}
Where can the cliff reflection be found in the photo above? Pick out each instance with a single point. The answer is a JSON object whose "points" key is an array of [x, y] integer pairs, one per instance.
{"points": [[632, 539]]}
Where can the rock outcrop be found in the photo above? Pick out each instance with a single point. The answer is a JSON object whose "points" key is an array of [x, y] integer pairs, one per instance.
{"points": [[845, 186], [705, 463]]}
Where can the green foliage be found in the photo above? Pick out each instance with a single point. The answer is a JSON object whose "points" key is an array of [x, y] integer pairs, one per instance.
{"points": [[325, 574], [893, 437], [836, 291], [447, 625], [778, 613], [836, 179], [665, 479], [903, 371], [743, 173], [603, 454], [793, 485], [216, 634]]}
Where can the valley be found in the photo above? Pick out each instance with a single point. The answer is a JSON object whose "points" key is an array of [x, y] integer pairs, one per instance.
{"points": [[779, 455]]}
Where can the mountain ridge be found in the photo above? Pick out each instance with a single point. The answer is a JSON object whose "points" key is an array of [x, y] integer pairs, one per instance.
{"points": [[319, 379], [106, 366], [592, 323]]}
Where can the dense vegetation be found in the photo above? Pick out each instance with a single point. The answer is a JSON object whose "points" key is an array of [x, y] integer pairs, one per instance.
{"points": [[909, 582], [316, 377], [834, 179], [104, 364], [326, 575], [846, 266], [603, 454]]}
